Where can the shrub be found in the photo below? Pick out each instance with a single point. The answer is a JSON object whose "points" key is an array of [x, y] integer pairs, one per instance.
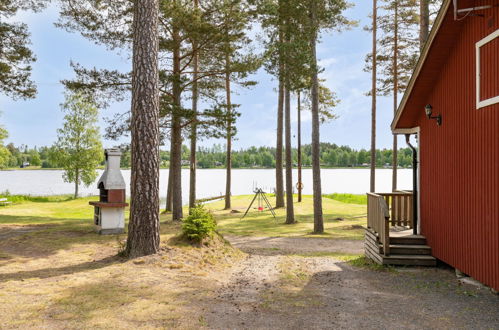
{"points": [[199, 224]]}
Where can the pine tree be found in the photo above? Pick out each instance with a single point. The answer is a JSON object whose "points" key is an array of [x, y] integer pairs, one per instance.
{"points": [[424, 21], [15, 56], [143, 228], [194, 126], [374, 58], [237, 62], [397, 54], [323, 14], [181, 26], [271, 17]]}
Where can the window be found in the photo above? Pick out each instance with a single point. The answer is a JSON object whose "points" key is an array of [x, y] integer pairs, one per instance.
{"points": [[487, 70]]}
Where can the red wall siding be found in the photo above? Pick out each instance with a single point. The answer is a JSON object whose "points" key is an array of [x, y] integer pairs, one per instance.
{"points": [[460, 160]]}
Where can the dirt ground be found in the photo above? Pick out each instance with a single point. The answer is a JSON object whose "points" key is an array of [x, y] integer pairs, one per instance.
{"points": [[278, 283], [275, 288], [294, 245]]}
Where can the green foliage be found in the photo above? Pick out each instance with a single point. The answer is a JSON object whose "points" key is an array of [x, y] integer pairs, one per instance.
{"points": [[16, 199], [15, 55], [4, 152], [199, 224], [109, 23], [398, 21], [332, 155], [78, 148], [348, 198]]}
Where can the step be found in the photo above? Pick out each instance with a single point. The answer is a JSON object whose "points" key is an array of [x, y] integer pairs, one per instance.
{"points": [[408, 240], [402, 240], [416, 249], [409, 260]]}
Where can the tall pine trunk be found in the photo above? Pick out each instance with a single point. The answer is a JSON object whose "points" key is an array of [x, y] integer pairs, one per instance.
{"points": [[290, 213], [279, 178], [176, 141], [316, 167], [194, 135], [300, 185], [143, 228], [373, 95], [424, 22], [395, 95], [168, 204], [228, 162], [193, 147]]}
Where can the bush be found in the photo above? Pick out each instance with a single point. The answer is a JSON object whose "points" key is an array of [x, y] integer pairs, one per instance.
{"points": [[199, 224]]}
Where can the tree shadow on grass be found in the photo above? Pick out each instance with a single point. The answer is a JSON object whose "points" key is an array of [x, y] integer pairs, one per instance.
{"points": [[338, 226], [59, 271], [38, 237], [152, 301]]}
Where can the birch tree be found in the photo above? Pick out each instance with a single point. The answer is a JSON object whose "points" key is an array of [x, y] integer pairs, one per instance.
{"points": [[79, 148]]}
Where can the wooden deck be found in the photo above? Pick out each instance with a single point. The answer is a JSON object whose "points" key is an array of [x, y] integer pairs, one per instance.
{"points": [[389, 236], [405, 249]]}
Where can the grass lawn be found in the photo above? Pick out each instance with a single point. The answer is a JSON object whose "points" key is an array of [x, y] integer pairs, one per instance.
{"points": [[56, 272], [353, 217]]}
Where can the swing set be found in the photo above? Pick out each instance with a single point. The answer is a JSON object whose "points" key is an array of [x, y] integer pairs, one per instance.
{"points": [[261, 200]]}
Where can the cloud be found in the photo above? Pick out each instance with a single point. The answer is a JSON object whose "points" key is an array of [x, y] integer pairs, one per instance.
{"points": [[327, 62]]}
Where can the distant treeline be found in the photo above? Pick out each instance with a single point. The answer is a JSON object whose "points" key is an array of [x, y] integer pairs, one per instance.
{"points": [[332, 155], [24, 156]]}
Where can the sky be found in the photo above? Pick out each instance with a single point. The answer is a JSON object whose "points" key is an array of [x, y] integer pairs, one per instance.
{"points": [[341, 55]]}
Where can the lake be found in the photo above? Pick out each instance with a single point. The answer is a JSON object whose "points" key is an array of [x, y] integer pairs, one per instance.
{"points": [[211, 182]]}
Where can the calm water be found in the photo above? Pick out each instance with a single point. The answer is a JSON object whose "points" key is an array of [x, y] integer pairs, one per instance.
{"points": [[211, 182]]}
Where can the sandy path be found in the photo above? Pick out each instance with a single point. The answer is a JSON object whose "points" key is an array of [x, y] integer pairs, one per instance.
{"points": [[280, 291], [294, 245]]}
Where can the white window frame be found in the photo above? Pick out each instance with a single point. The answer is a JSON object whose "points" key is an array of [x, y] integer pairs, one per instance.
{"points": [[479, 44]]}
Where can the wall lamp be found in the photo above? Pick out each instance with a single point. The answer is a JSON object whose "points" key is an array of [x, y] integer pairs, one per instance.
{"points": [[429, 111]]}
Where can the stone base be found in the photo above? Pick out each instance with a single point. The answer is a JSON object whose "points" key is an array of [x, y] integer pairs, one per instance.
{"points": [[111, 231]]}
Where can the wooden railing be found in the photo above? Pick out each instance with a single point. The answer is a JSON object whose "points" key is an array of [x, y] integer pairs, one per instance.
{"points": [[400, 205], [378, 218]]}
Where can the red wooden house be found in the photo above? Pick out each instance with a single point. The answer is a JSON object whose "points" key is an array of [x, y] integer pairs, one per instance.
{"points": [[452, 105]]}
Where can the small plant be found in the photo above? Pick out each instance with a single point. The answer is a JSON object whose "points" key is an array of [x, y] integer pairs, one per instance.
{"points": [[199, 224], [121, 246]]}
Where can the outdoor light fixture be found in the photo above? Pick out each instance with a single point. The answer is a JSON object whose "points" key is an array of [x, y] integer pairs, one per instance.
{"points": [[429, 110]]}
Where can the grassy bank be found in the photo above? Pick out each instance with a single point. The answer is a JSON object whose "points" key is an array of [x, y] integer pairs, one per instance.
{"points": [[16, 199], [341, 220], [348, 198]]}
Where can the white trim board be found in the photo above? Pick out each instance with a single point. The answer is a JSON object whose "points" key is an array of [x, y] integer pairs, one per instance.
{"points": [[412, 130], [483, 103]]}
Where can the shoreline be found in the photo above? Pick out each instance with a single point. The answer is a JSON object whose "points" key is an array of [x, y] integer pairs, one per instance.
{"points": [[212, 168]]}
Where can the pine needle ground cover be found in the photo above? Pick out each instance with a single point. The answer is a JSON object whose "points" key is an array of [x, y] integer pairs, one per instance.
{"points": [[56, 272]]}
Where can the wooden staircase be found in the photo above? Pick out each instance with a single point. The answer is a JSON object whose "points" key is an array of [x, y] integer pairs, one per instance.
{"points": [[404, 250]]}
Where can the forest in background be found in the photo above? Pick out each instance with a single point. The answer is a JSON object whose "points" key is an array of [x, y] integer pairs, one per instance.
{"points": [[332, 155]]}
